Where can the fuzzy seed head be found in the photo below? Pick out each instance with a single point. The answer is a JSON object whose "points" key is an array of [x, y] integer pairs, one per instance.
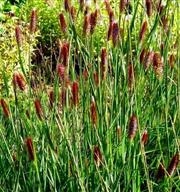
{"points": [[93, 21], [64, 53], [143, 30], [75, 93], [62, 22], [86, 25], [161, 172], [173, 164], [38, 109], [97, 156], [158, 64], [67, 5], [5, 108], [144, 138], [115, 33], [33, 22], [131, 78], [133, 126], [93, 112], [149, 7], [30, 148], [19, 81], [18, 35], [104, 63]]}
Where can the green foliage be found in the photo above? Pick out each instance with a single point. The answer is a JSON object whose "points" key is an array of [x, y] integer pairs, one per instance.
{"points": [[84, 131]]}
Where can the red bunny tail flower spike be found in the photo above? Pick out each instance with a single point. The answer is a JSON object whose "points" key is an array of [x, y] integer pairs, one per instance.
{"points": [[143, 30], [30, 148], [93, 20], [133, 126], [115, 33], [64, 53], [67, 5], [62, 22], [18, 34], [19, 81], [61, 71], [93, 112], [104, 63], [38, 108], [109, 34], [144, 138], [149, 7], [86, 25], [161, 172], [33, 22], [158, 64], [173, 164], [131, 75], [97, 156], [5, 107], [75, 93], [73, 13]]}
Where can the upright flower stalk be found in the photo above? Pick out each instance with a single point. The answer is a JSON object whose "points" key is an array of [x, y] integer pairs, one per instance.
{"points": [[33, 21], [93, 112], [30, 148], [75, 93], [62, 22], [38, 108]]}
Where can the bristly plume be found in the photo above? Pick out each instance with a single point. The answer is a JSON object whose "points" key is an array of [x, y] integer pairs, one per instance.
{"points": [[67, 5], [161, 172], [173, 164], [96, 78], [5, 108], [149, 7], [144, 138], [73, 13], [19, 81], [97, 156], [115, 33], [158, 64], [93, 112], [61, 71], [63, 97], [93, 21], [109, 34], [62, 22], [33, 22], [131, 76], [133, 126], [86, 25], [30, 148], [18, 34], [75, 93], [39, 110], [104, 63], [64, 53], [143, 30]]}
